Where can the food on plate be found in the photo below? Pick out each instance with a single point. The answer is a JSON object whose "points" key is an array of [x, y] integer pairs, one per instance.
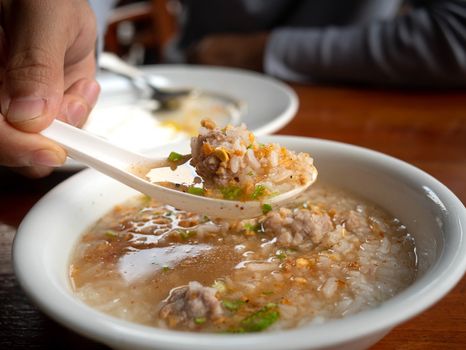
{"points": [[328, 255], [197, 106], [136, 126]]}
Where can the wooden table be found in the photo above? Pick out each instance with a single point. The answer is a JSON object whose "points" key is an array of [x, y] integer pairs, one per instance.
{"points": [[427, 129]]}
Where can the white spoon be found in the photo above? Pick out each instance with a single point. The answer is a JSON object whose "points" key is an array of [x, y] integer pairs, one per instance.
{"points": [[131, 169]]}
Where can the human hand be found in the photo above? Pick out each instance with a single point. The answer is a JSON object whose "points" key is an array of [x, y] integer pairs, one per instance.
{"points": [[48, 65], [234, 50]]}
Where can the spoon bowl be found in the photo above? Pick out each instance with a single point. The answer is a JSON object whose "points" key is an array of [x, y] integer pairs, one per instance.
{"points": [[131, 169]]}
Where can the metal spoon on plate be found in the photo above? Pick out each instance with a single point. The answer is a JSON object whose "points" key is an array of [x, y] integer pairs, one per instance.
{"points": [[131, 168], [168, 98]]}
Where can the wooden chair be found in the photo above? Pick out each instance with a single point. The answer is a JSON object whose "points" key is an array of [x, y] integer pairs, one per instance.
{"points": [[154, 23]]}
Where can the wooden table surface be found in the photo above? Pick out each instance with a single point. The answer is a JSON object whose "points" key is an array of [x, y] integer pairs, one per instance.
{"points": [[427, 129]]}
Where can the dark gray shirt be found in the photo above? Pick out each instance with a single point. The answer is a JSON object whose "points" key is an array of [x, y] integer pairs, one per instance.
{"points": [[365, 41]]}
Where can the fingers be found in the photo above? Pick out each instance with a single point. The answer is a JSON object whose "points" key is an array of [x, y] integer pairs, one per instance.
{"points": [[22, 149], [47, 70], [78, 102], [34, 155], [81, 92], [44, 37], [33, 77], [34, 171]]}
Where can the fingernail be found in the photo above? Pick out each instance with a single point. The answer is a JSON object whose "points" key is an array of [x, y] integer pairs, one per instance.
{"points": [[23, 109], [91, 92], [75, 113], [46, 158]]}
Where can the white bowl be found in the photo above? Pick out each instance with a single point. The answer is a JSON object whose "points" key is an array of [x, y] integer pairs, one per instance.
{"points": [[433, 215]]}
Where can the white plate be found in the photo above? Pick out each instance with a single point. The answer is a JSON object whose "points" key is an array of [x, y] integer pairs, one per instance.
{"points": [[266, 105]]}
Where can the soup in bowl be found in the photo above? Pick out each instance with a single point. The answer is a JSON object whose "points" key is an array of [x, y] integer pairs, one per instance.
{"points": [[373, 243]]}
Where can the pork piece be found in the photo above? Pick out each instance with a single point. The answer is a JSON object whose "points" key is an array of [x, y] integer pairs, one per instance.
{"points": [[191, 305], [354, 221], [204, 159], [293, 227]]}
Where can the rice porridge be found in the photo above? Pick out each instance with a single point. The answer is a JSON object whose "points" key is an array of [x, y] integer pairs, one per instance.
{"points": [[328, 255]]}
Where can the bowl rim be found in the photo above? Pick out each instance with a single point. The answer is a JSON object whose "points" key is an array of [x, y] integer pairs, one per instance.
{"points": [[111, 330]]}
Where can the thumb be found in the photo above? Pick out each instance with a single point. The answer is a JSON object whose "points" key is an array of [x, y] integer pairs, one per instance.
{"points": [[32, 90], [33, 79]]}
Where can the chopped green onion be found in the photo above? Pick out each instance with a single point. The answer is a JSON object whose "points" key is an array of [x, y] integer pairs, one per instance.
{"points": [[259, 191], [250, 173], [266, 208], [197, 191], [250, 227], [231, 192], [232, 305], [146, 199], [250, 146], [165, 268], [111, 234], [267, 292], [281, 255], [187, 234], [254, 227], [175, 157], [200, 320], [261, 319], [220, 286]]}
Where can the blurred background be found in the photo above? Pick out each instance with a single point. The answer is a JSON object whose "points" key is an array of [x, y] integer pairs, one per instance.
{"points": [[138, 31]]}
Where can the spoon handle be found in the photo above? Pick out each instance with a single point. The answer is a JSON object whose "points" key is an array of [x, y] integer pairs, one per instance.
{"points": [[113, 63], [90, 149]]}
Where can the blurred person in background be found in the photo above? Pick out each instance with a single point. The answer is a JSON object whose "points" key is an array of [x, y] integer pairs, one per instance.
{"points": [[414, 43]]}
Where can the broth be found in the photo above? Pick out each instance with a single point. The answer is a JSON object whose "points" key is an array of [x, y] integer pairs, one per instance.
{"points": [[329, 255]]}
